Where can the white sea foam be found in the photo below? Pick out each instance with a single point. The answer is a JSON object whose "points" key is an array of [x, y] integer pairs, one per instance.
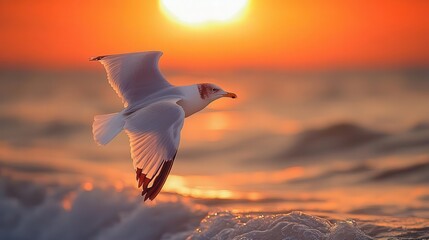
{"points": [[68, 212], [292, 226]]}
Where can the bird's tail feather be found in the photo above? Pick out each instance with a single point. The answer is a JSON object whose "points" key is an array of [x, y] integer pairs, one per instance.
{"points": [[106, 127]]}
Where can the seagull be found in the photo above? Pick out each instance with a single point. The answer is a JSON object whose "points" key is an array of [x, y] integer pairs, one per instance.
{"points": [[153, 114]]}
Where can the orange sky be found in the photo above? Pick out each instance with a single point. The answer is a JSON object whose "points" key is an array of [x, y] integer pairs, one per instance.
{"points": [[276, 34]]}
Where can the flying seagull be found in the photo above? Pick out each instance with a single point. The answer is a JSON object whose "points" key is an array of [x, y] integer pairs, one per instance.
{"points": [[153, 115]]}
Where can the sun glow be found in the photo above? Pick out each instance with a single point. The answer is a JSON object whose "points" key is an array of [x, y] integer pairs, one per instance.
{"points": [[178, 184], [87, 186], [203, 11]]}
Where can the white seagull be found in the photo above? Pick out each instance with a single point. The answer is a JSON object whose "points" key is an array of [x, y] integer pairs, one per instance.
{"points": [[153, 115]]}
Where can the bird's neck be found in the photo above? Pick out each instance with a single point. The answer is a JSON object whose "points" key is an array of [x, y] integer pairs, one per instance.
{"points": [[192, 101]]}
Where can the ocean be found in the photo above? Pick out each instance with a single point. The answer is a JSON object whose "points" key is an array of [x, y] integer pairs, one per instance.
{"points": [[317, 155]]}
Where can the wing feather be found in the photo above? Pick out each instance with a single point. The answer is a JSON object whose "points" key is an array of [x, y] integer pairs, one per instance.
{"points": [[133, 76], [154, 133]]}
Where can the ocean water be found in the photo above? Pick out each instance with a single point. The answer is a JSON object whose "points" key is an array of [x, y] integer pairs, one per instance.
{"points": [[34, 211], [341, 155]]}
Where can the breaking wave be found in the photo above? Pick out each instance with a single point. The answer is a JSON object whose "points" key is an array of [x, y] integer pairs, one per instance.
{"points": [[292, 226], [49, 211]]}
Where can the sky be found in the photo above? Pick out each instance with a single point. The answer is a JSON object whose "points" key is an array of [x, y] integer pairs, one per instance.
{"points": [[291, 35]]}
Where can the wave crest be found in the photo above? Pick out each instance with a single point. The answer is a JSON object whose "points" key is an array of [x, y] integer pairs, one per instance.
{"points": [[293, 226]]}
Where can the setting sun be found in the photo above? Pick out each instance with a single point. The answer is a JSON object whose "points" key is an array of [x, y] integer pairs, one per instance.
{"points": [[203, 11]]}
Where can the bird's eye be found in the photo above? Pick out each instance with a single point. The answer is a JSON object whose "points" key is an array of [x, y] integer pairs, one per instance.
{"points": [[215, 90]]}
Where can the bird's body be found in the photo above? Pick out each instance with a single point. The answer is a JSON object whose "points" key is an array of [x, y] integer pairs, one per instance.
{"points": [[153, 115], [190, 99]]}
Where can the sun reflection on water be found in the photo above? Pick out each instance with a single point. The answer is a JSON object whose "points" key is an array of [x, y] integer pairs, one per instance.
{"points": [[67, 202], [218, 121], [87, 186], [178, 184]]}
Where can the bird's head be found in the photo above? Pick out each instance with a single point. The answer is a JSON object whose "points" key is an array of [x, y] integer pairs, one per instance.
{"points": [[211, 92]]}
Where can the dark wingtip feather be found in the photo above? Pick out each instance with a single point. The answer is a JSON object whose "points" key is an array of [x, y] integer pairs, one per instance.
{"points": [[159, 180], [97, 58], [141, 180], [138, 173]]}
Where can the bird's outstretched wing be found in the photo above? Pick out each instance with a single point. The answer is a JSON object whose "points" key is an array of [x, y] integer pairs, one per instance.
{"points": [[133, 76], [154, 133]]}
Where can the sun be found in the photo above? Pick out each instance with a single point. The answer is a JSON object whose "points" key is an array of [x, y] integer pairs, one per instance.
{"points": [[203, 11]]}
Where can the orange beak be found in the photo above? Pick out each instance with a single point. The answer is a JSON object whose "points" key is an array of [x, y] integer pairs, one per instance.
{"points": [[231, 95]]}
